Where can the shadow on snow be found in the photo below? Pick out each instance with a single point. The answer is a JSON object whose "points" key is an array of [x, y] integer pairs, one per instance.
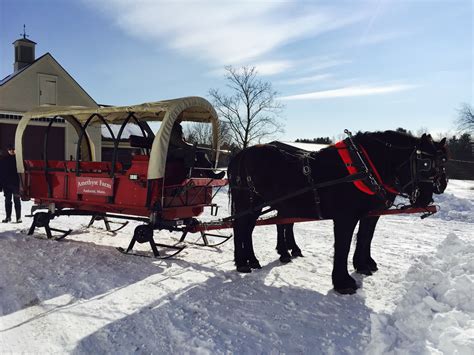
{"points": [[34, 271], [234, 313]]}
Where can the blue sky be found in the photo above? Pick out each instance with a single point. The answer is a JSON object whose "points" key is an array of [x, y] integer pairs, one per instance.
{"points": [[361, 65]]}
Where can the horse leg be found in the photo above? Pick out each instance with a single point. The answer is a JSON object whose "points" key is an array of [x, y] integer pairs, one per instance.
{"points": [[282, 247], [244, 255], [291, 242], [240, 244], [252, 259], [343, 228], [362, 261]]}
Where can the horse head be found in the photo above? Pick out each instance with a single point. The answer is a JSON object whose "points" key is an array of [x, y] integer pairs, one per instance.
{"points": [[423, 173]]}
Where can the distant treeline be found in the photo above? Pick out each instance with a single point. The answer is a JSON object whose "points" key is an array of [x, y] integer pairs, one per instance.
{"points": [[460, 148]]}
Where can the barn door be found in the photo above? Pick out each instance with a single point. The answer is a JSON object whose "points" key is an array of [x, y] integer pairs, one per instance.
{"points": [[47, 90]]}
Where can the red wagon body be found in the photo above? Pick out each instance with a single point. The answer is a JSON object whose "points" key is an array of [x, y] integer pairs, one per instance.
{"points": [[126, 193]]}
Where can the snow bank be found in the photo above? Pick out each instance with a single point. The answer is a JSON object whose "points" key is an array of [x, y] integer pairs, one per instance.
{"points": [[436, 315], [454, 208]]}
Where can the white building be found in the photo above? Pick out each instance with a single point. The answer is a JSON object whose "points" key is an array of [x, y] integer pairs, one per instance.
{"points": [[41, 82]]}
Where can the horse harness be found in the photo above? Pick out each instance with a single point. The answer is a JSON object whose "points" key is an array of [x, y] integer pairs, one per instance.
{"points": [[355, 158], [362, 172], [306, 169], [311, 183]]}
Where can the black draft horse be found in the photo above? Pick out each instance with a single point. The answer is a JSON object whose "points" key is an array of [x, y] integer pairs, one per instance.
{"points": [[362, 261], [265, 175]]}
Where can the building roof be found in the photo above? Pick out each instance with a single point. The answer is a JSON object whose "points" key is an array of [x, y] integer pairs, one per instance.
{"points": [[16, 74], [24, 39], [11, 76]]}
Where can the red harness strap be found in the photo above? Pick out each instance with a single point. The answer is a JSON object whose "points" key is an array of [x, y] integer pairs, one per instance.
{"points": [[346, 158]]}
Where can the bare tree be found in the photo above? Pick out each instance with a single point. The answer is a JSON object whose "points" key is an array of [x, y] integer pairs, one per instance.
{"points": [[251, 110], [201, 133], [198, 133], [466, 118]]}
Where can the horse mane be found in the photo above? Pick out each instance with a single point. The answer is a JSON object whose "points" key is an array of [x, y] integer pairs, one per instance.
{"points": [[394, 138]]}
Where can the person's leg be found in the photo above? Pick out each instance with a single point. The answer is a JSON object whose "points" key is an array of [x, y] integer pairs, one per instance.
{"points": [[17, 201], [8, 204], [202, 160], [186, 156]]}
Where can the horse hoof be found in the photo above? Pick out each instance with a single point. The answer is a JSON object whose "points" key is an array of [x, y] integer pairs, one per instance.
{"points": [[285, 259], [364, 271], [296, 253], [255, 265], [372, 265], [373, 268], [244, 269], [346, 291]]}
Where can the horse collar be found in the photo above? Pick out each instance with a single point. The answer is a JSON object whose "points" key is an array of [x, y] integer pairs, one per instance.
{"points": [[373, 184]]}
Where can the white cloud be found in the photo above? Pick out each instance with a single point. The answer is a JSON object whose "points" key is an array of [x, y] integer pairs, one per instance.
{"points": [[324, 63], [351, 91], [381, 37], [223, 32], [263, 68], [272, 68], [307, 79]]}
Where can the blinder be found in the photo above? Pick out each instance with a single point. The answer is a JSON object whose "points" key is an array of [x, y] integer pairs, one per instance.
{"points": [[424, 163], [440, 179]]}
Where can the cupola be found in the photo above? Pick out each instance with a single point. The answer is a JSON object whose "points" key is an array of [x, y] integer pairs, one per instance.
{"points": [[24, 52]]}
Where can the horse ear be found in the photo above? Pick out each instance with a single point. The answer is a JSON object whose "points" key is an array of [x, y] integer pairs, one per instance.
{"points": [[423, 136], [442, 142]]}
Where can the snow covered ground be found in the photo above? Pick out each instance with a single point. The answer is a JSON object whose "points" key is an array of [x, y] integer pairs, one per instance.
{"points": [[81, 296]]}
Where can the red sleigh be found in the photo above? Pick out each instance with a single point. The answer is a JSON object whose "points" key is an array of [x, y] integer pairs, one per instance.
{"points": [[160, 193]]}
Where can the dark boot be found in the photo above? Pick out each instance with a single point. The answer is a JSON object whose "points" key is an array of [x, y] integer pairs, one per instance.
{"points": [[8, 206]]}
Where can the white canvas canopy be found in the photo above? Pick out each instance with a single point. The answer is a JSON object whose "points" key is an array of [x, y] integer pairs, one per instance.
{"points": [[194, 109]]}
